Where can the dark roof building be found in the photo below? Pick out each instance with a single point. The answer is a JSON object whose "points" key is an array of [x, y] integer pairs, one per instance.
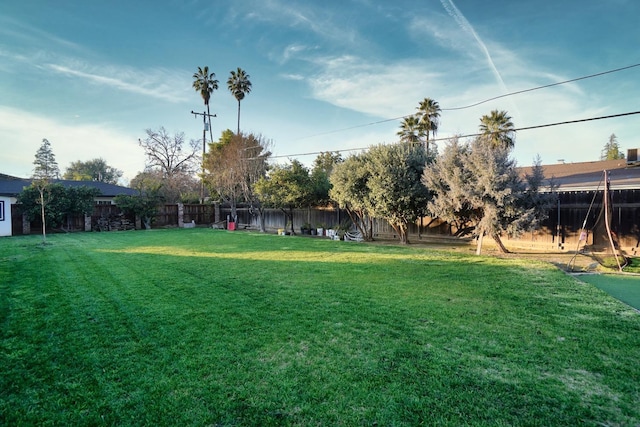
{"points": [[11, 186], [588, 176]]}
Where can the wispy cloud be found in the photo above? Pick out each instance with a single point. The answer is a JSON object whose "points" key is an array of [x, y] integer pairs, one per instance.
{"points": [[382, 90], [21, 33], [35, 50], [160, 84], [26, 130], [464, 24]]}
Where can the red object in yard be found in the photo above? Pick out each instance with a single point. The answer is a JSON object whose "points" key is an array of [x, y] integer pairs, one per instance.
{"points": [[231, 226]]}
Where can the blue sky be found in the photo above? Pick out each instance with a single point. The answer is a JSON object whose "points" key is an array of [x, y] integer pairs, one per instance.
{"points": [[92, 76]]}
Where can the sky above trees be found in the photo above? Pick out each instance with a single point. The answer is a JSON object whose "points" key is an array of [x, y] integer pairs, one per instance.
{"points": [[92, 76]]}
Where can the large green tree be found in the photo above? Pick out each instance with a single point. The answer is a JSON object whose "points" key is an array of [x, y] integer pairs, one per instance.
{"points": [[385, 182], [477, 187], [498, 129], [349, 188], [396, 190], [239, 85], [63, 203], [286, 187], [92, 170], [321, 170]]}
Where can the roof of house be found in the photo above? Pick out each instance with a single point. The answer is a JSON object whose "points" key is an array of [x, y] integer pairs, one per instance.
{"points": [[12, 186], [589, 176]]}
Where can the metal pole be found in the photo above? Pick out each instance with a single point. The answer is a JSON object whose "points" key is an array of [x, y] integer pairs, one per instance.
{"points": [[558, 225], [204, 143]]}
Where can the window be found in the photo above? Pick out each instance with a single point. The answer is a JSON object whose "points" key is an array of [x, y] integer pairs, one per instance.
{"points": [[1, 210]]}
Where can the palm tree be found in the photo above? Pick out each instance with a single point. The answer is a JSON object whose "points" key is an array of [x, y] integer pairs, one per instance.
{"points": [[498, 129], [410, 130], [429, 118], [239, 85], [205, 83]]}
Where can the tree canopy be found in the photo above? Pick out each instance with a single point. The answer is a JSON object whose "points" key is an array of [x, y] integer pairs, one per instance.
{"points": [[349, 188], [62, 203], [498, 129], [92, 170], [239, 85], [321, 170], [286, 187], [396, 191], [384, 182]]}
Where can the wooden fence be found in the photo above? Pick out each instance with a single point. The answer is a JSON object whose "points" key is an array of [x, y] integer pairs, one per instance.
{"points": [[561, 230]]}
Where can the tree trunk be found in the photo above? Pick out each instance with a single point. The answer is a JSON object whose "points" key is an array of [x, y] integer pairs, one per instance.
{"points": [[401, 230], [44, 224], [234, 210], [238, 118], [261, 220], [479, 244], [501, 246]]}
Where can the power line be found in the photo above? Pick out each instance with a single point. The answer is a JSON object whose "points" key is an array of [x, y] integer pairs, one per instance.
{"points": [[567, 122], [542, 87], [615, 70]]}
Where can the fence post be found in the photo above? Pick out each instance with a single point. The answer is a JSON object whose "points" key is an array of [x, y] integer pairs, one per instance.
{"points": [[26, 225], [180, 215], [87, 222]]}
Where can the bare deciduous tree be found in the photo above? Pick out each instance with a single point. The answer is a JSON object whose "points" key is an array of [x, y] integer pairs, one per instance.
{"points": [[170, 154]]}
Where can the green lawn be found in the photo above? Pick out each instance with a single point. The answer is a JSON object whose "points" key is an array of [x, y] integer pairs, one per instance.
{"points": [[208, 327]]}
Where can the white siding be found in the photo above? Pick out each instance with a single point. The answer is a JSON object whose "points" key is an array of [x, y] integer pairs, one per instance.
{"points": [[5, 216]]}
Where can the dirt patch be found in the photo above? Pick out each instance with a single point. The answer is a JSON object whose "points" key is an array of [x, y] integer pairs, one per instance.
{"points": [[566, 261]]}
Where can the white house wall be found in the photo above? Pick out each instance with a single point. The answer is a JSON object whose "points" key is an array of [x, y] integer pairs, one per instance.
{"points": [[5, 216]]}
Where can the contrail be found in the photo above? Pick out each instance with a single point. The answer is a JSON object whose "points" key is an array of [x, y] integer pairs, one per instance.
{"points": [[455, 13]]}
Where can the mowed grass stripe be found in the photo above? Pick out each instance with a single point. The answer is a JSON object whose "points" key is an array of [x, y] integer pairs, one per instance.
{"points": [[205, 327]]}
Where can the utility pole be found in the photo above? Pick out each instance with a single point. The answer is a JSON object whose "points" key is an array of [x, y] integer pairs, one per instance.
{"points": [[204, 143]]}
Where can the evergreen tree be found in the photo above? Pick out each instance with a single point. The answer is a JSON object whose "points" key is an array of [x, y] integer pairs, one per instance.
{"points": [[45, 163], [611, 150], [477, 187]]}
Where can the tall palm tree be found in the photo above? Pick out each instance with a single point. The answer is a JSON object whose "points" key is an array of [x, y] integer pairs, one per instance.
{"points": [[205, 83], [410, 130], [498, 129], [239, 85], [429, 118]]}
